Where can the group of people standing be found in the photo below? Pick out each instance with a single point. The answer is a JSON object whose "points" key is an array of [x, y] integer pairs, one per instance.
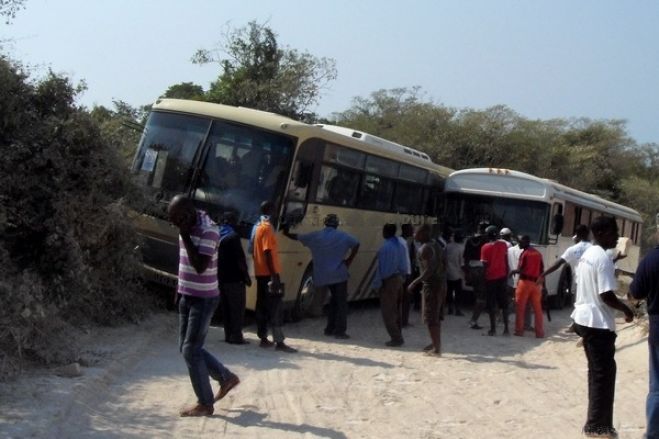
{"points": [[493, 265]]}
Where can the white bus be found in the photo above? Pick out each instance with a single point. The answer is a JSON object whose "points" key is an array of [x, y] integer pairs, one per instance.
{"points": [[543, 209], [232, 159]]}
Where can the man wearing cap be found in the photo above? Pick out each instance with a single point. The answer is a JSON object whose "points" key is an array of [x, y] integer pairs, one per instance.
{"points": [[494, 256], [329, 248]]}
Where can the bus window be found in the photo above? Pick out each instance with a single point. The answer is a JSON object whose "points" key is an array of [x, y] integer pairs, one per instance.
{"points": [[376, 192], [408, 198], [344, 156], [169, 145], [337, 186], [242, 168], [381, 166]]}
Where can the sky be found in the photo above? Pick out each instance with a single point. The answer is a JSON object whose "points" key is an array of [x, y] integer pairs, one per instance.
{"points": [[544, 59]]}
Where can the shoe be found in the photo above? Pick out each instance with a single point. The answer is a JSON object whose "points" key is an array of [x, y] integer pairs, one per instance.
{"points": [[606, 432], [240, 341], [518, 334], [450, 311], [432, 353], [491, 332], [197, 410], [394, 343], [229, 384], [265, 343], [343, 336], [459, 313], [506, 332], [428, 348], [328, 333], [281, 346], [529, 328], [474, 325]]}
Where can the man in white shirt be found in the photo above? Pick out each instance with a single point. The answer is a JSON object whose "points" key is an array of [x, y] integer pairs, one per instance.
{"points": [[594, 319]]}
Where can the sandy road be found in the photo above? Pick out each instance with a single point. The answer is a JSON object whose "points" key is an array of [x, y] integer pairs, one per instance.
{"points": [[483, 387]]}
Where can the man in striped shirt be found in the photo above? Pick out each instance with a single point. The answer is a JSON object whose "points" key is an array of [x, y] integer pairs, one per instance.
{"points": [[198, 289]]}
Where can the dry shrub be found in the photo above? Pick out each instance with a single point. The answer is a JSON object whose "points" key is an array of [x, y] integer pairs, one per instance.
{"points": [[67, 253]]}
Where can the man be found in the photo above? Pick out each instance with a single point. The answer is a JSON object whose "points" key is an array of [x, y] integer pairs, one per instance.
{"points": [[268, 285], [406, 239], [388, 281], [572, 254], [432, 278], [529, 268], [330, 269], [476, 272], [454, 273], [199, 297], [594, 318], [232, 276], [646, 286], [514, 252], [494, 256]]}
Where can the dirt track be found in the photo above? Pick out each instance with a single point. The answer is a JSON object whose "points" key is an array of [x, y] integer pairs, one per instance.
{"points": [[483, 387]]}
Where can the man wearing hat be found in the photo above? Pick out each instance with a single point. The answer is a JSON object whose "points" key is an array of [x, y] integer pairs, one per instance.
{"points": [[329, 248]]}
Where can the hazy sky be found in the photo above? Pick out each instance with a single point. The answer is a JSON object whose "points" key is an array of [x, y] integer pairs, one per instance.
{"points": [[544, 59]]}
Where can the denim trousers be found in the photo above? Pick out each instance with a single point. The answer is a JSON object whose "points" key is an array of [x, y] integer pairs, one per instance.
{"points": [[599, 346], [652, 403], [195, 315]]}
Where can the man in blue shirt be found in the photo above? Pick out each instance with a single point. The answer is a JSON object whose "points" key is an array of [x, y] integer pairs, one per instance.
{"points": [[329, 247], [388, 280], [646, 286]]}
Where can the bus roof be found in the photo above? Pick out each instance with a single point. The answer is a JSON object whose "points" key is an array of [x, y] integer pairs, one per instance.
{"points": [[285, 125], [516, 184]]}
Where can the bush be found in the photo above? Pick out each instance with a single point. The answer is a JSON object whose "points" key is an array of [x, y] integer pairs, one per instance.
{"points": [[66, 246]]}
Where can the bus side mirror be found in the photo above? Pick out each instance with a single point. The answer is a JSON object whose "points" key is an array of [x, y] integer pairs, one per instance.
{"points": [[557, 224], [303, 175]]}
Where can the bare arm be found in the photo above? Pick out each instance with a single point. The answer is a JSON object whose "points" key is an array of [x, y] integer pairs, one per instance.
{"points": [[198, 261], [271, 266], [555, 266], [426, 254], [612, 300], [351, 256]]}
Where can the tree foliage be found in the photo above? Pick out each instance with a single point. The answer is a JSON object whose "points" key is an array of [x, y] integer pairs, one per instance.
{"points": [[596, 156], [9, 8], [186, 90], [66, 247], [256, 72]]}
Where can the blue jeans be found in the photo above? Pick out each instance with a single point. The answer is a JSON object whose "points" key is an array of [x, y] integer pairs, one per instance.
{"points": [[195, 315], [652, 403]]}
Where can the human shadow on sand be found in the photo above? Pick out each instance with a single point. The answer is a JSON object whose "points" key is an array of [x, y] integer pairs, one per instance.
{"points": [[246, 417]]}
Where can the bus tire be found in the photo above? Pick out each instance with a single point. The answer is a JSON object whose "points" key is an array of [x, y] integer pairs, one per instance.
{"points": [[304, 297]]}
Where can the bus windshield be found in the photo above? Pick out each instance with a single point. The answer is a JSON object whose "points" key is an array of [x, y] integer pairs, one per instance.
{"points": [[523, 217], [239, 166]]}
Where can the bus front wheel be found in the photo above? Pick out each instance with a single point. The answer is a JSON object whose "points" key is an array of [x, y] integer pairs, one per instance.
{"points": [[304, 297]]}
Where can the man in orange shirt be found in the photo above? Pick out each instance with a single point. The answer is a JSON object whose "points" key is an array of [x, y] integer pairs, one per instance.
{"points": [[529, 269], [269, 293]]}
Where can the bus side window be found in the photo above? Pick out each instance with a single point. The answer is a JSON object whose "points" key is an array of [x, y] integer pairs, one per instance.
{"points": [[299, 184], [337, 186]]}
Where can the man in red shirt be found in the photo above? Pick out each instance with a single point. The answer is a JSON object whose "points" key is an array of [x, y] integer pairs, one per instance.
{"points": [[529, 269], [494, 255]]}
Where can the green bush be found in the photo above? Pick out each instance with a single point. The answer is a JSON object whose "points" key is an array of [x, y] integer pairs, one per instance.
{"points": [[67, 253]]}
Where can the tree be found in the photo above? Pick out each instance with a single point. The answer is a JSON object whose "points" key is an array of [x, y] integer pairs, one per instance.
{"points": [[8, 8], [185, 90], [257, 73]]}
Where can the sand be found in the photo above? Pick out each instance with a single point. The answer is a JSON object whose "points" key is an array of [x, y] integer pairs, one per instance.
{"points": [[482, 387]]}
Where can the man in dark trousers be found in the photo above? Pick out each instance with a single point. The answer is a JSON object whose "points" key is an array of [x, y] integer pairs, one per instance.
{"points": [[476, 272], [329, 251], [197, 286], [267, 268], [494, 256], [594, 321], [233, 277], [407, 239], [646, 286]]}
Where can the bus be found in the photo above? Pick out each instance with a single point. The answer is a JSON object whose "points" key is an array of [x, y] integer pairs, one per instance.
{"points": [[545, 210], [232, 159]]}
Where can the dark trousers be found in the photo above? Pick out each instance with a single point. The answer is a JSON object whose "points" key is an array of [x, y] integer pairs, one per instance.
{"points": [[599, 345], [337, 317], [233, 310], [496, 292], [268, 311], [453, 294], [405, 302], [389, 299], [194, 319], [652, 403]]}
